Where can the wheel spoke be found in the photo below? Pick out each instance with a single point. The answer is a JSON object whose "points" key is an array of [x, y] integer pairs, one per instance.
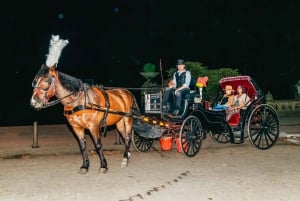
{"points": [[220, 137], [140, 143]]}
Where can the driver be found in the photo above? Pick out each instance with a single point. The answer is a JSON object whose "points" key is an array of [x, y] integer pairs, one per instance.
{"points": [[179, 88]]}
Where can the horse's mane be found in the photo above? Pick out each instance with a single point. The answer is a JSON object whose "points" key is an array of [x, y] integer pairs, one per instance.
{"points": [[70, 83]]}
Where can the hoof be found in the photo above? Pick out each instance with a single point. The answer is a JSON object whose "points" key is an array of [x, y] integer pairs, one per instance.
{"points": [[83, 171], [124, 163], [103, 170]]}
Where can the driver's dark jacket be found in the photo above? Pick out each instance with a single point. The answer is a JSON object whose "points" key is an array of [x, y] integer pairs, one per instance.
{"points": [[180, 79]]}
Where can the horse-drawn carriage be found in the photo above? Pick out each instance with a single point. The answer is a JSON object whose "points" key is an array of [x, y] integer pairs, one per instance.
{"points": [[259, 122], [93, 108]]}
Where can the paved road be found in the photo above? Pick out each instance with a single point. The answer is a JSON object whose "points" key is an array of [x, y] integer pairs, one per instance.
{"points": [[224, 172]]}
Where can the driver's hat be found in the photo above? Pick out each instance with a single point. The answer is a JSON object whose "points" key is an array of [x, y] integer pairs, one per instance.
{"points": [[180, 62]]}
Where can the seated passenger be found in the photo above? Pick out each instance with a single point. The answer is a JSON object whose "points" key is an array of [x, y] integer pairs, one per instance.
{"points": [[241, 99], [227, 100], [240, 104]]}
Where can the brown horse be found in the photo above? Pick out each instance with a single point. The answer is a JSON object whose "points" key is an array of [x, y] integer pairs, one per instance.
{"points": [[86, 107]]}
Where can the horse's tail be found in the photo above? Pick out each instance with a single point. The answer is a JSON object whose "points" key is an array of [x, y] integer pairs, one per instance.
{"points": [[135, 109]]}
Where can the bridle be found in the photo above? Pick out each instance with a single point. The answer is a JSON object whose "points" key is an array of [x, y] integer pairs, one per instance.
{"points": [[50, 90]]}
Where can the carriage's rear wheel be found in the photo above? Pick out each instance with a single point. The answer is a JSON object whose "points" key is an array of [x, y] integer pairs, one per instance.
{"points": [[221, 134], [191, 135], [263, 126], [141, 144], [220, 137]]}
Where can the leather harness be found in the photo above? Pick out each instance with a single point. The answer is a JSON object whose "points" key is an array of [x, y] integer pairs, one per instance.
{"points": [[94, 107]]}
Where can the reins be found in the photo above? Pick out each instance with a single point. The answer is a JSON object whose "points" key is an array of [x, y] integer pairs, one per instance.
{"points": [[56, 101]]}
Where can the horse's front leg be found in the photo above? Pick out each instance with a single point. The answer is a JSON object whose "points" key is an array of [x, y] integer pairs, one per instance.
{"points": [[83, 149], [95, 132]]}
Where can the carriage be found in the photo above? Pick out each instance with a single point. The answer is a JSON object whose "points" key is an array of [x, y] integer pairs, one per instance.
{"points": [[259, 122], [92, 108]]}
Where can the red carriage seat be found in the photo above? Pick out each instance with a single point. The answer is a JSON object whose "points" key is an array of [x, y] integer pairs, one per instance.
{"points": [[233, 118]]}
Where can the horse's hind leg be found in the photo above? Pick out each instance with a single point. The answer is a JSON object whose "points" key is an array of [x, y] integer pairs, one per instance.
{"points": [[95, 133], [124, 127], [83, 149]]}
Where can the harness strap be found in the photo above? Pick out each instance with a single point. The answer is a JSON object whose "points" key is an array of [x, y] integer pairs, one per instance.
{"points": [[92, 107], [107, 105], [96, 108], [76, 109]]}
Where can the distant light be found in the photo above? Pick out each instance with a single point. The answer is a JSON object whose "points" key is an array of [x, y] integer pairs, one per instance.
{"points": [[61, 16], [116, 10]]}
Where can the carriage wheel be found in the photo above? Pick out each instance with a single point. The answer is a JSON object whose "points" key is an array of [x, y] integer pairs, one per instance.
{"points": [[141, 144], [220, 137], [191, 135], [263, 126]]}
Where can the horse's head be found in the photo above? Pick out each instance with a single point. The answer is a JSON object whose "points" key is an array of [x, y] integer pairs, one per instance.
{"points": [[44, 81], [43, 87]]}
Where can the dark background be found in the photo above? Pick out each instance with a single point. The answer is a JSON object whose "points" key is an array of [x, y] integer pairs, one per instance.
{"points": [[111, 41]]}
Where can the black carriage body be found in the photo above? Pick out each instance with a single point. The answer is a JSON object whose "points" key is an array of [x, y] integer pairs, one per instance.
{"points": [[259, 122]]}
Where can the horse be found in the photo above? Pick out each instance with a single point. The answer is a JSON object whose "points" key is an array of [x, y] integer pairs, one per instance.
{"points": [[86, 107]]}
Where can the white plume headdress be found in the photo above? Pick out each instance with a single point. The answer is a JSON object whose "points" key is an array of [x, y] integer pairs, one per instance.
{"points": [[55, 48]]}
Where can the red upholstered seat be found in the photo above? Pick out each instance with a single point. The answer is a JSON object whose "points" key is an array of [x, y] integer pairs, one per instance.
{"points": [[234, 119]]}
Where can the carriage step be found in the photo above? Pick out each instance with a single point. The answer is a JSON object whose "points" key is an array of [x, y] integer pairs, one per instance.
{"points": [[239, 141], [236, 129]]}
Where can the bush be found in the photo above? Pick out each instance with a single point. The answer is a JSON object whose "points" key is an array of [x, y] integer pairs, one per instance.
{"points": [[198, 70]]}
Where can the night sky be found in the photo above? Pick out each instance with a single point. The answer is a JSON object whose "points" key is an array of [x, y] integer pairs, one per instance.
{"points": [[109, 41]]}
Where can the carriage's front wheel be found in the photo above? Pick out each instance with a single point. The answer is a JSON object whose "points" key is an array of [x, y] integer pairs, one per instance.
{"points": [[141, 144], [263, 126], [191, 135]]}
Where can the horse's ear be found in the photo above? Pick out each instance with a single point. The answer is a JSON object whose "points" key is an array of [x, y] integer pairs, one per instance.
{"points": [[52, 70], [53, 66]]}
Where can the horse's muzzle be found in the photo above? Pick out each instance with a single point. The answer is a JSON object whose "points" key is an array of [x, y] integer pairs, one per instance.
{"points": [[36, 104]]}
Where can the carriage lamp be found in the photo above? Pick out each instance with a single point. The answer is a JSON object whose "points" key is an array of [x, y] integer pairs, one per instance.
{"points": [[146, 119], [167, 125], [156, 122]]}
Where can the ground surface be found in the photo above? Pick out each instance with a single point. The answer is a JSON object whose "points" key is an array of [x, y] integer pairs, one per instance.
{"points": [[220, 172]]}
